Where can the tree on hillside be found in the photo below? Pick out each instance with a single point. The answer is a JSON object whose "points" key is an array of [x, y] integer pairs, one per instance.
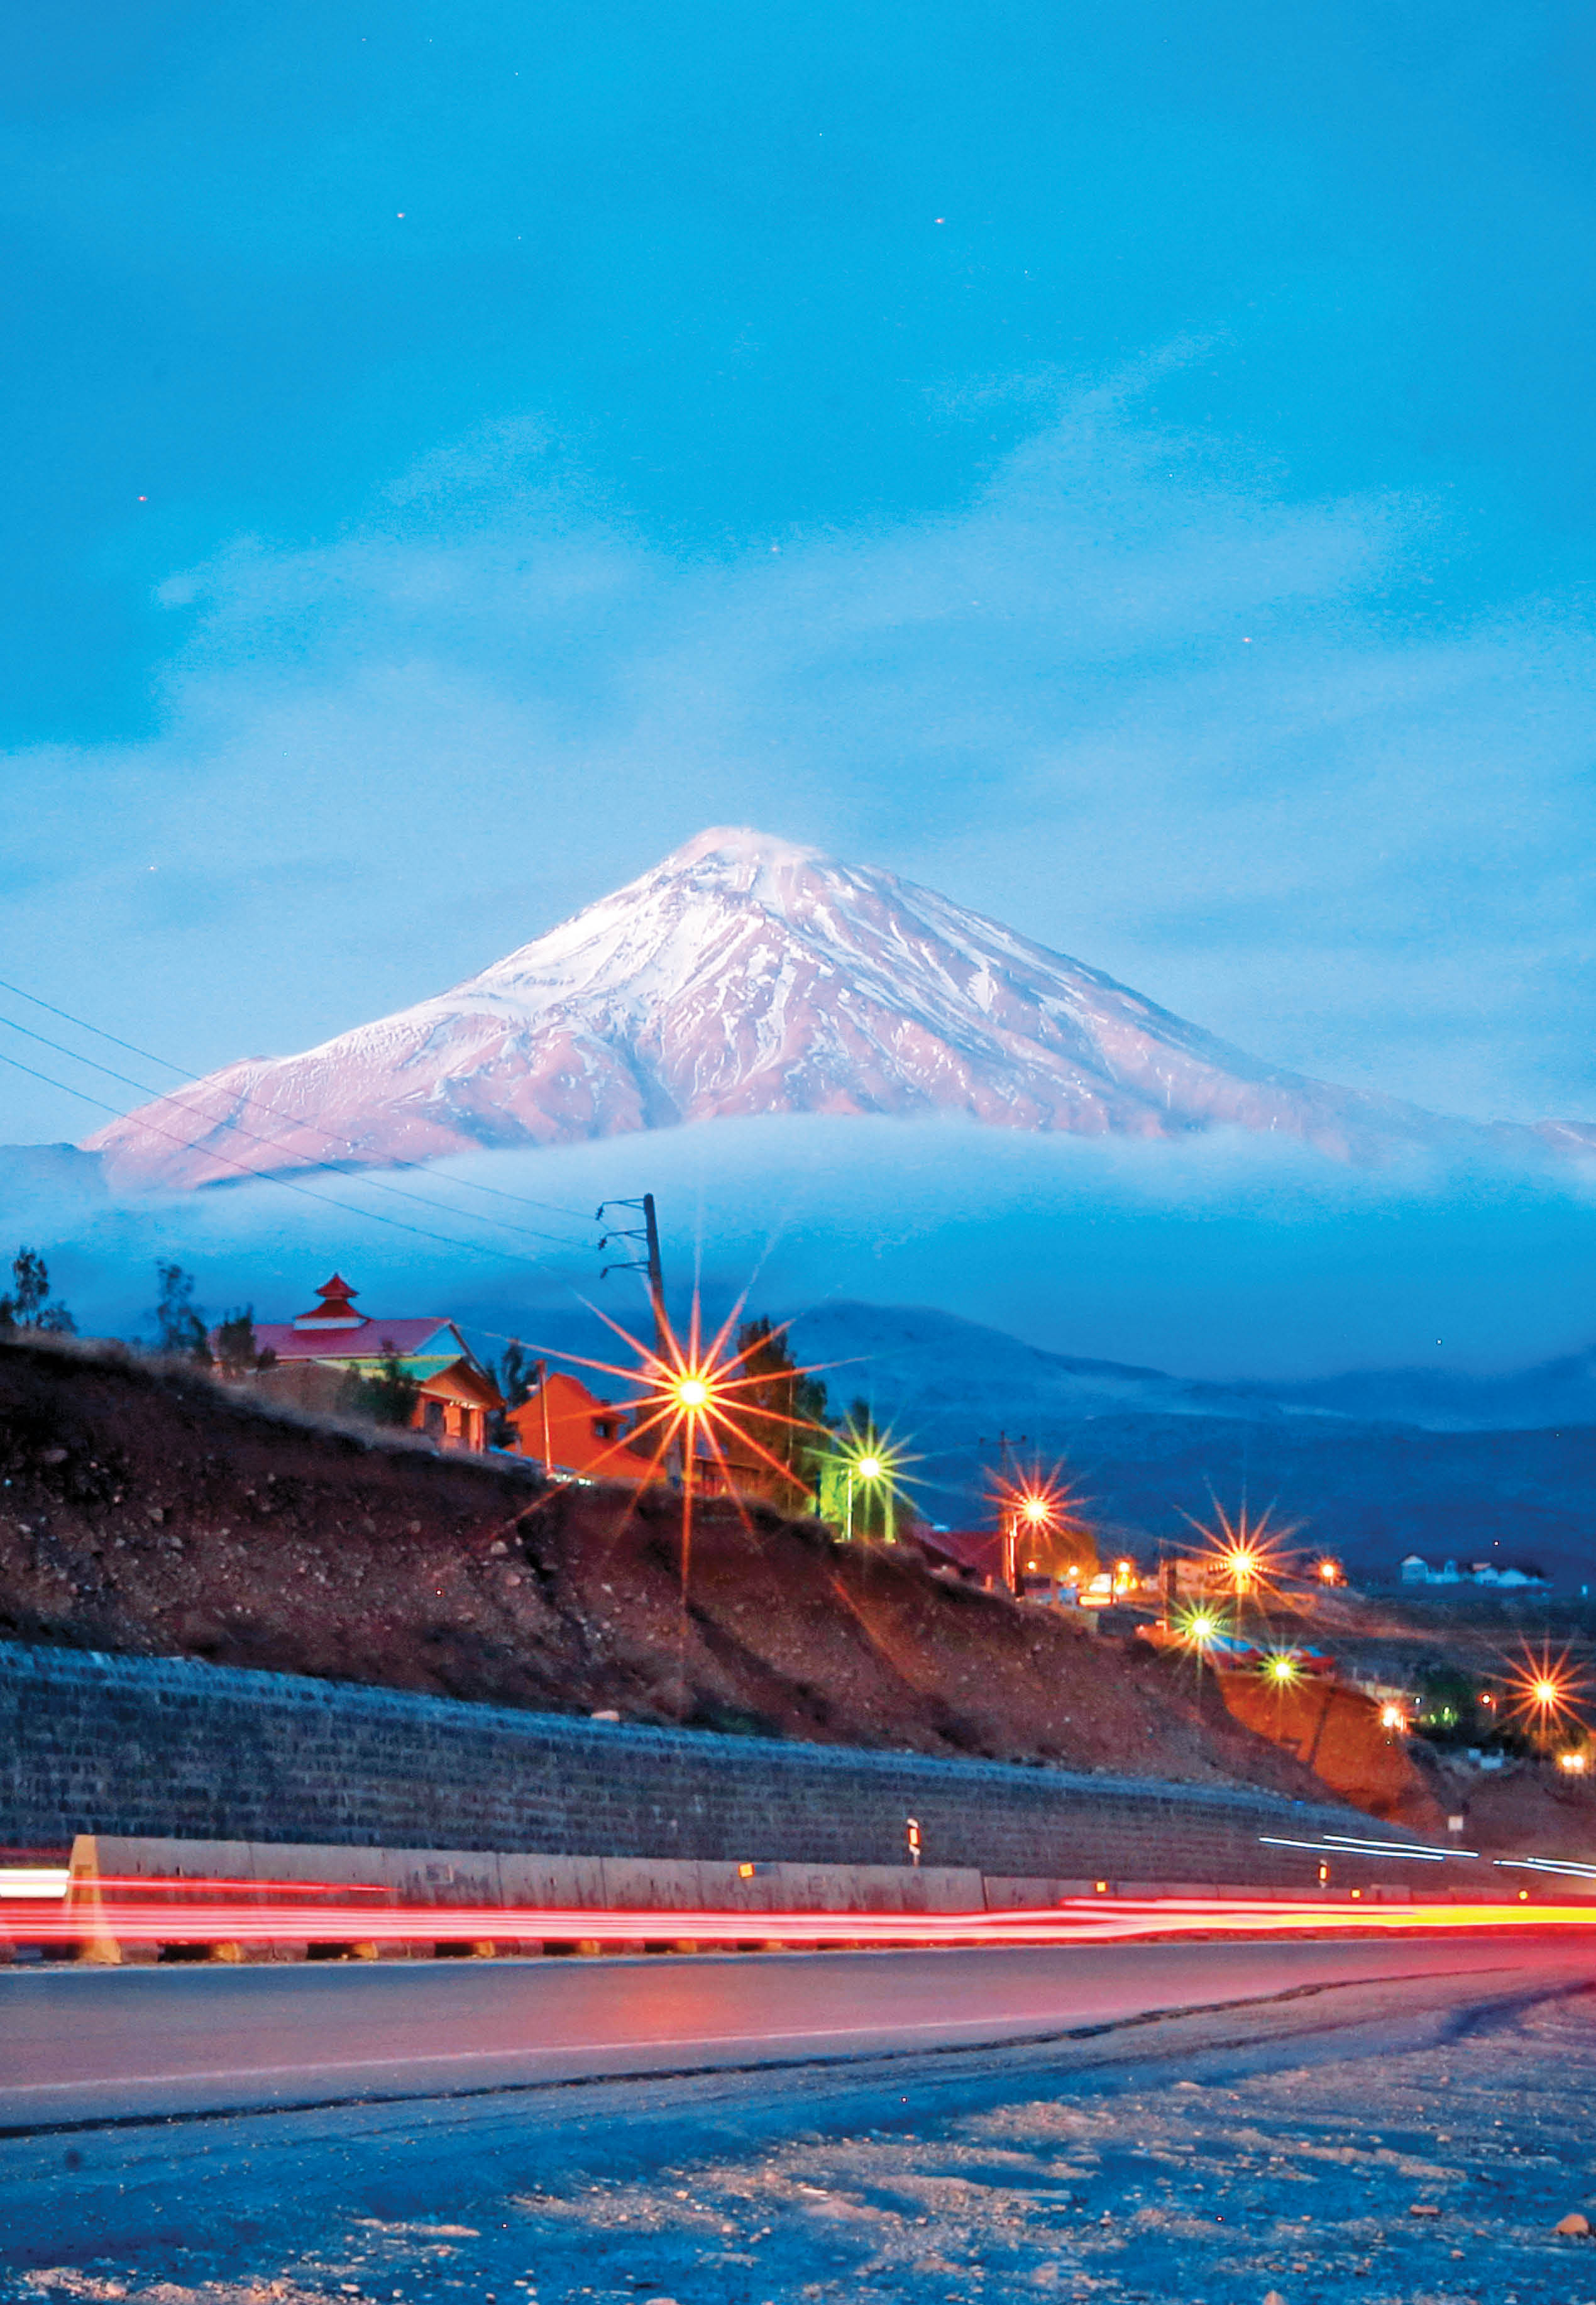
{"points": [[180, 1329], [785, 1411], [1450, 1711], [28, 1304], [388, 1398], [237, 1351], [518, 1379], [517, 1373]]}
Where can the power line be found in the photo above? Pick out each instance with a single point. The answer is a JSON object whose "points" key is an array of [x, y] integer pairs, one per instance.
{"points": [[494, 1191], [192, 1145], [372, 1216]]}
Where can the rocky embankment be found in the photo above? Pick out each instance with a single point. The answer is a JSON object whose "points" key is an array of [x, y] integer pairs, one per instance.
{"points": [[147, 1511]]}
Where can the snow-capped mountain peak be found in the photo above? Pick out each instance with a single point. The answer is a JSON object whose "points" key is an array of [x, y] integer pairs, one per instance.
{"points": [[743, 974]]}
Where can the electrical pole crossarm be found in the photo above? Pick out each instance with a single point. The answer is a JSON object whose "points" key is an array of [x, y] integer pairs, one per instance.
{"points": [[648, 1263]]}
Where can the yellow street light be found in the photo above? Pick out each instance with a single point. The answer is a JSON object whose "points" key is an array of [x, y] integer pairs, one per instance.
{"points": [[1031, 1503], [1240, 1564], [1245, 1552]]}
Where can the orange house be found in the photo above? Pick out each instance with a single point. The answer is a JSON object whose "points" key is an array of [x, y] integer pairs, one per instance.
{"points": [[572, 1430]]}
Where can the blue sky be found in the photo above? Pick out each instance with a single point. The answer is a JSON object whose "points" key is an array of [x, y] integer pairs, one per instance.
{"points": [[1131, 468]]}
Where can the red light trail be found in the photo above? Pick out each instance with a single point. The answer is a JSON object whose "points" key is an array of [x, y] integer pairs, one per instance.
{"points": [[196, 1912]]}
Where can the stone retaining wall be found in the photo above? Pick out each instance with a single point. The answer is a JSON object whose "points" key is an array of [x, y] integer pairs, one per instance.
{"points": [[94, 1744]]}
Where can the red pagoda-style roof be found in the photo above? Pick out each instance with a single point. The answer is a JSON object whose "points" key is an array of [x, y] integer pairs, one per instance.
{"points": [[337, 1308], [293, 1341]]}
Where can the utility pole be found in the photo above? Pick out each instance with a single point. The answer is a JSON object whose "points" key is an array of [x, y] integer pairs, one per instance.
{"points": [[1009, 1513], [648, 1264], [541, 1371], [656, 1271]]}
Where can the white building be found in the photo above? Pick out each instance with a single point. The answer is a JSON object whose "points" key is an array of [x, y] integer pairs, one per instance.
{"points": [[1414, 1569]]}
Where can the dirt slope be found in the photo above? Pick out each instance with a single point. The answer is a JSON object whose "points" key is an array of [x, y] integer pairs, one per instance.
{"points": [[145, 1510], [1337, 1732]]}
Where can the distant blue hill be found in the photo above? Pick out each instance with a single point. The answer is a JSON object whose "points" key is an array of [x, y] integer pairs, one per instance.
{"points": [[1371, 1467], [1558, 1393]]}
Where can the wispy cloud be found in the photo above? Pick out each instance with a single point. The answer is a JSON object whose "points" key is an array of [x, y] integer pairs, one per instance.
{"points": [[1146, 707]]}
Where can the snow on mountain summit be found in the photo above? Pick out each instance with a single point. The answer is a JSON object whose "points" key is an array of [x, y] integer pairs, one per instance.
{"points": [[743, 974]]}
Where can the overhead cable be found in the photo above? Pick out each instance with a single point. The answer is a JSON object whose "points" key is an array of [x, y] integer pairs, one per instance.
{"points": [[330, 1168], [494, 1191], [286, 1184]]}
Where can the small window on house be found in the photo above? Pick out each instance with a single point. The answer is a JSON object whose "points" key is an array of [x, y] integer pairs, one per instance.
{"points": [[433, 1417]]}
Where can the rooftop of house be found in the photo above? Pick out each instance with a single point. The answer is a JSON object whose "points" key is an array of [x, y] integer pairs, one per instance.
{"points": [[333, 1330]]}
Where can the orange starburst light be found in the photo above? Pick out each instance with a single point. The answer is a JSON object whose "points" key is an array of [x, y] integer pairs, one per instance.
{"points": [[697, 1410], [1544, 1693], [1243, 1554], [1032, 1505]]}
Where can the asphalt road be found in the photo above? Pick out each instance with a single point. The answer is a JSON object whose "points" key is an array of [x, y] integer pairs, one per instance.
{"points": [[91, 2045]]}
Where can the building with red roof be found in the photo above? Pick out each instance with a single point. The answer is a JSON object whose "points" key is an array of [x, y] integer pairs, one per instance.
{"points": [[456, 1394]]}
